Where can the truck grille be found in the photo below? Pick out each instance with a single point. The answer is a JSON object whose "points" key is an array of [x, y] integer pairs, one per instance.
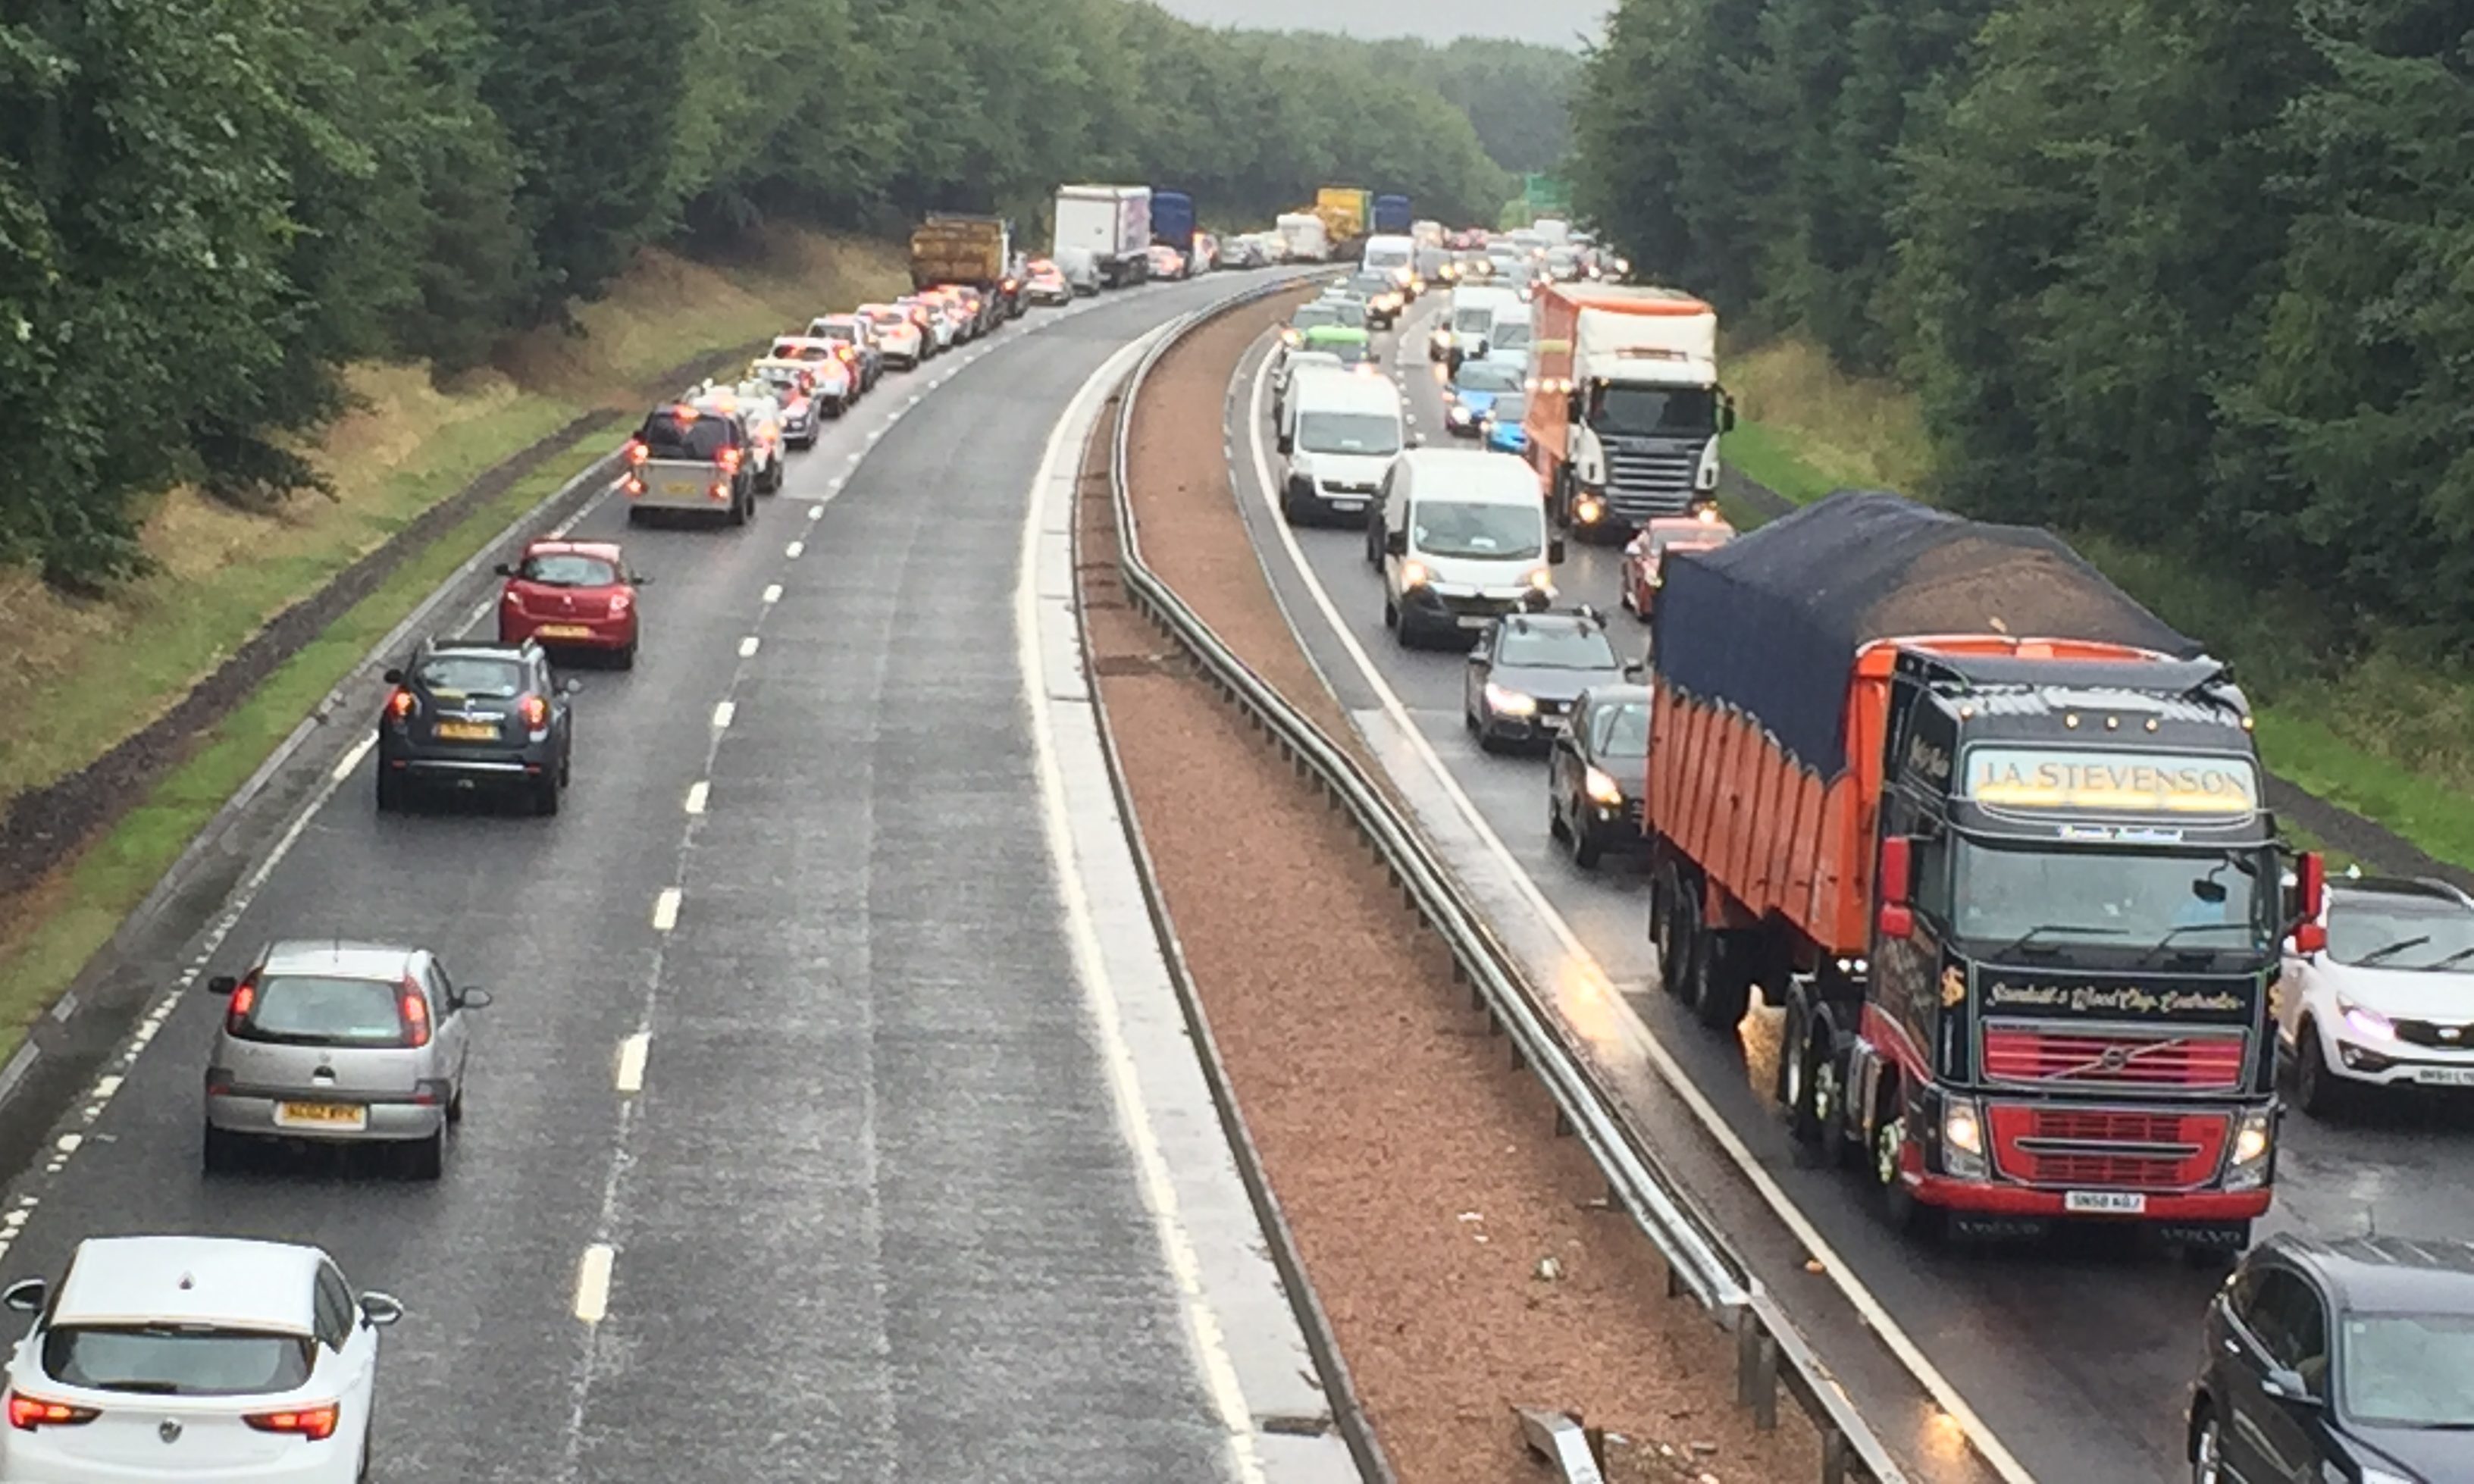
{"points": [[1646, 483], [2183, 1061], [2107, 1149]]}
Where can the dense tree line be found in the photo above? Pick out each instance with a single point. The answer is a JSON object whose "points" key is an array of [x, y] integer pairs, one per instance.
{"points": [[2194, 271], [1517, 93], [207, 206]]}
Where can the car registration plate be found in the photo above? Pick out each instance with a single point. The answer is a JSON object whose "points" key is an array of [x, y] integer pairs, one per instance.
{"points": [[1348, 506], [322, 1115], [680, 486], [1476, 619], [564, 631], [2444, 1076], [2110, 1203], [468, 731]]}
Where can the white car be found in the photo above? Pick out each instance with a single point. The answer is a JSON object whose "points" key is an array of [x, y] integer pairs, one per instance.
{"points": [[898, 334], [2389, 1000], [757, 405], [188, 1359]]}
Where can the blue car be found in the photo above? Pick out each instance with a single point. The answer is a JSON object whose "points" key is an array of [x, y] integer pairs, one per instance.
{"points": [[1503, 428], [1472, 391]]}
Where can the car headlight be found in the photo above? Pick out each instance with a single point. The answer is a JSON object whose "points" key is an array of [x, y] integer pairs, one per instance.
{"points": [[1457, 413], [1506, 702], [1414, 574], [2366, 1021], [1602, 788], [1962, 1138]]}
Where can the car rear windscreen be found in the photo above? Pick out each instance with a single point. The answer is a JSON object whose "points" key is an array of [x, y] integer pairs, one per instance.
{"points": [[176, 1362], [668, 435], [452, 676], [314, 1010], [569, 570]]}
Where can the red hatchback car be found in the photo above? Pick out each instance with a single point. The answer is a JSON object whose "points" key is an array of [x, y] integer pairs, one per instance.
{"points": [[1644, 559], [571, 595]]}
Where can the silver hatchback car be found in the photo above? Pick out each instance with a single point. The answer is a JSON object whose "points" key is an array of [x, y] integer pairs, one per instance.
{"points": [[340, 1043]]}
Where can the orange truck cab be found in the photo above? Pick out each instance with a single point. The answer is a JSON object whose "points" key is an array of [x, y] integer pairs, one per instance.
{"points": [[1626, 411], [1993, 836]]}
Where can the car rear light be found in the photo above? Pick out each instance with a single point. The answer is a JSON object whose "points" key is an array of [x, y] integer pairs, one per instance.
{"points": [[316, 1423], [28, 1413], [401, 704], [243, 996], [720, 490], [536, 712], [415, 1011], [637, 451], [728, 459], [620, 601]]}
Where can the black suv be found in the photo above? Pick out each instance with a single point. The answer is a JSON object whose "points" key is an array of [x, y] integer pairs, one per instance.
{"points": [[2350, 1359], [475, 714]]}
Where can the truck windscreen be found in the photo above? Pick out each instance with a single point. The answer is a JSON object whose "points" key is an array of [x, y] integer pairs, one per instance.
{"points": [[1653, 411], [2188, 900], [1370, 433]]}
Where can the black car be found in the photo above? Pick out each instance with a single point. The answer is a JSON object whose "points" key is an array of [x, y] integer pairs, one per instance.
{"points": [[2351, 1360], [1527, 670], [472, 715], [1594, 773]]}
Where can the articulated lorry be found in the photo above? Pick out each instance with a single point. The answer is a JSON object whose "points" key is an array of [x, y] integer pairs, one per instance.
{"points": [[974, 251], [1391, 216], [1174, 223], [1113, 224], [1624, 419], [1992, 835]]}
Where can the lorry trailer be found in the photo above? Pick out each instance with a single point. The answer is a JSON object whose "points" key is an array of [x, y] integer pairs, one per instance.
{"points": [[1113, 224]]}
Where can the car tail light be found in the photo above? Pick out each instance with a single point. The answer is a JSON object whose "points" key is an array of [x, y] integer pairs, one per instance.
{"points": [[620, 601], [243, 997], [536, 712], [798, 407], [28, 1413], [315, 1424], [401, 704], [728, 459], [637, 451], [720, 489], [415, 1011]]}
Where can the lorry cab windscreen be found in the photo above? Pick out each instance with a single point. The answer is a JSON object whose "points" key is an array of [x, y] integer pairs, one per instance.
{"points": [[1453, 528], [1389, 257], [1368, 433], [1510, 336], [2131, 898], [1472, 319], [1653, 411]]}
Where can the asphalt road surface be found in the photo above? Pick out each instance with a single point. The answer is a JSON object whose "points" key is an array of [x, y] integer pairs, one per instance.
{"points": [[789, 1156], [2077, 1354]]}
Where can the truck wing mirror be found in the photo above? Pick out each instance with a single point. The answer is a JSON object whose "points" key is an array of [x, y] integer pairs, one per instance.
{"points": [[2310, 938], [1396, 542], [1897, 920], [1554, 551], [2309, 886], [1898, 869], [1726, 417]]}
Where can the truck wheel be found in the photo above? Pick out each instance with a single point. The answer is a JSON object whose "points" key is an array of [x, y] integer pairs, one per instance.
{"points": [[1898, 1208], [1723, 984], [1808, 1079]]}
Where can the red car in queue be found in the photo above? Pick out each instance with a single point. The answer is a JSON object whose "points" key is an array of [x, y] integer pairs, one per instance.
{"points": [[572, 595], [1644, 556]]}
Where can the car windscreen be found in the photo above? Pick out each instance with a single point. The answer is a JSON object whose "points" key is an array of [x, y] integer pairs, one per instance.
{"points": [[568, 569], [787, 386], [1471, 319], [1557, 647], [1388, 257], [314, 1010], [1622, 731], [846, 333], [2395, 931], [1653, 411], [1487, 376], [453, 675], [175, 1361], [2408, 1369], [1368, 284], [1349, 313], [698, 438], [1370, 433], [784, 351], [1310, 316], [1440, 527]]}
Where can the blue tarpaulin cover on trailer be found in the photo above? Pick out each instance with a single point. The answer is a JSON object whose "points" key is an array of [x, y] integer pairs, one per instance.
{"points": [[1770, 623]]}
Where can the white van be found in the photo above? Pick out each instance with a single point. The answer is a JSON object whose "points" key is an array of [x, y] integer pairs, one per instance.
{"points": [[1468, 316], [1509, 335], [1460, 539], [1341, 431], [1394, 258]]}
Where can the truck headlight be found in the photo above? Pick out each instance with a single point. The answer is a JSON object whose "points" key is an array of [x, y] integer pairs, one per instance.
{"points": [[2254, 1140], [1589, 509], [1505, 701], [1962, 1138]]}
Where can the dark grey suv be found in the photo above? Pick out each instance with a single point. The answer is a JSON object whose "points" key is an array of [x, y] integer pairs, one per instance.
{"points": [[469, 714]]}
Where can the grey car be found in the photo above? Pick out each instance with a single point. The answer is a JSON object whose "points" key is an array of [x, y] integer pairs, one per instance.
{"points": [[339, 1042]]}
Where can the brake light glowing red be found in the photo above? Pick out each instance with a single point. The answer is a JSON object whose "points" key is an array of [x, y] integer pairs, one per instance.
{"points": [[316, 1423], [242, 999], [400, 704], [416, 1023], [536, 712], [728, 459], [637, 451], [28, 1413]]}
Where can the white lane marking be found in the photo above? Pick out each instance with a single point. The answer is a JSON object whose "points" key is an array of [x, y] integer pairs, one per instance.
{"points": [[773, 592], [696, 792], [666, 909], [1857, 1295], [592, 1282], [856, 457], [633, 1051], [1159, 1190], [747, 647], [353, 759], [794, 550], [817, 512], [723, 712]]}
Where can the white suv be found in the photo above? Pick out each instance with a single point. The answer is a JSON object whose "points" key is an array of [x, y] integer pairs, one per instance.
{"points": [[181, 1357], [2389, 1000]]}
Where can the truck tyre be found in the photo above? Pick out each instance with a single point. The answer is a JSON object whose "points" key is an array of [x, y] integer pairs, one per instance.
{"points": [[1809, 1079], [1723, 987], [1899, 1208]]}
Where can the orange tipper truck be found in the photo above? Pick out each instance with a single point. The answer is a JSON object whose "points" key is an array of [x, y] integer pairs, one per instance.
{"points": [[1625, 410], [1992, 835]]}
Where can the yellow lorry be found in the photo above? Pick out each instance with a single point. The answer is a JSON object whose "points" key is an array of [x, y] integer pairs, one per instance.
{"points": [[1345, 211]]}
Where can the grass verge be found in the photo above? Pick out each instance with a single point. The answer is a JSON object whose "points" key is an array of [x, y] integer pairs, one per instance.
{"points": [[91, 898], [2387, 732]]}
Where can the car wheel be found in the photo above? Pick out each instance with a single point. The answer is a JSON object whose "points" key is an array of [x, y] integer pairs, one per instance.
{"points": [[1587, 848], [545, 794], [635, 515], [627, 656], [220, 1153], [425, 1160], [1555, 829], [2314, 1087], [390, 790], [2208, 1448], [741, 507], [455, 1103]]}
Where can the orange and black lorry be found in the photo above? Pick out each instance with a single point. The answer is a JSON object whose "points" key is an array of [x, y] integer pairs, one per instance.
{"points": [[1993, 837]]}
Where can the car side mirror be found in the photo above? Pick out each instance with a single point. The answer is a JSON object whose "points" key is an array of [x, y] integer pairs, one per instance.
{"points": [[1634, 669], [504, 570], [1555, 550], [1396, 542], [1477, 657], [26, 1295], [393, 678], [379, 1310], [222, 983], [474, 998], [2286, 1385], [2310, 938]]}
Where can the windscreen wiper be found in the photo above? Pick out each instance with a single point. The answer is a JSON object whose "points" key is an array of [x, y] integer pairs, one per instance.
{"points": [[2386, 949], [2038, 930], [2170, 934]]}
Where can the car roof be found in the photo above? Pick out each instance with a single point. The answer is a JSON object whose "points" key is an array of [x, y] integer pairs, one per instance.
{"points": [[2417, 1275], [607, 551], [335, 959], [1471, 475], [478, 649], [224, 1281], [1340, 389], [1553, 623], [1627, 693]]}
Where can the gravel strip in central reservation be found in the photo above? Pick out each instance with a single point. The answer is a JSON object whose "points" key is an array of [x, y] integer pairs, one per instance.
{"points": [[1463, 1252]]}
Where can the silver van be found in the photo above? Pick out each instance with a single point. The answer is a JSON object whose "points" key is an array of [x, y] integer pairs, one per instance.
{"points": [[1461, 537]]}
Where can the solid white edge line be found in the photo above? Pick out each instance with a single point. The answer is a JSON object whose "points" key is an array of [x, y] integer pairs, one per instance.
{"points": [[633, 1053], [696, 793], [1857, 1295], [592, 1282], [1159, 1189], [666, 909]]}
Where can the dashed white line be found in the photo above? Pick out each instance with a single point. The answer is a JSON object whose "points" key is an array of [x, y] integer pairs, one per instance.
{"points": [[747, 645], [353, 759], [592, 1282], [794, 550], [666, 909], [773, 592], [817, 512], [696, 792], [632, 1054], [723, 712]]}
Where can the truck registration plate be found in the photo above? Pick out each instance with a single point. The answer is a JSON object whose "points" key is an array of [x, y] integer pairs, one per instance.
{"points": [[2110, 1203], [2444, 1076]]}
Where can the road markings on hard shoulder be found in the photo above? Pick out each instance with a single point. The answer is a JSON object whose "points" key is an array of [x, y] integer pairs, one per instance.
{"points": [[666, 909], [592, 1282], [723, 711], [794, 550], [353, 759], [773, 592], [632, 1054], [696, 792]]}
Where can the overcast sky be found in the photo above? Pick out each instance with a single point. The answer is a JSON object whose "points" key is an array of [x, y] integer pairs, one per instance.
{"points": [[1546, 22]]}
